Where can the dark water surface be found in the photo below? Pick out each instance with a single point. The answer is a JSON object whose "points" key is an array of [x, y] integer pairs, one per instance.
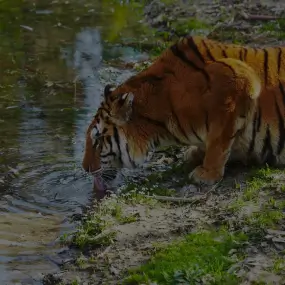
{"points": [[43, 118]]}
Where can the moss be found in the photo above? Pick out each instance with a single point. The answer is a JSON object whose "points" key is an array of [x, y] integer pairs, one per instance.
{"points": [[274, 28]]}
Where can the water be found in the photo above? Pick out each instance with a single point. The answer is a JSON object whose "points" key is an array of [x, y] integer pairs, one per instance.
{"points": [[44, 113]]}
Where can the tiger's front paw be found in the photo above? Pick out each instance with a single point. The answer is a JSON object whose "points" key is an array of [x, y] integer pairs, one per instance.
{"points": [[200, 175], [194, 156]]}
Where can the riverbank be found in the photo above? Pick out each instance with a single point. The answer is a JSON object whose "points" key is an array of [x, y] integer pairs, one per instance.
{"points": [[152, 233]]}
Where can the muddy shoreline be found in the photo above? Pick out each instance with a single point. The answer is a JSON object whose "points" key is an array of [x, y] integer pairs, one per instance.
{"points": [[133, 227]]}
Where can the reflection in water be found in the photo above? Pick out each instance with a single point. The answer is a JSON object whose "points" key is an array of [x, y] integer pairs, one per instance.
{"points": [[26, 243], [43, 118]]}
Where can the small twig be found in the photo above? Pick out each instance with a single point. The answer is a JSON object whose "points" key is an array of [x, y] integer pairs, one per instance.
{"points": [[258, 17], [176, 199], [106, 250], [185, 199], [214, 187]]}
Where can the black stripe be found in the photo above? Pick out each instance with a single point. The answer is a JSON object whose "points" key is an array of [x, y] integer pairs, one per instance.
{"points": [[162, 125], [195, 134], [258, 123], [240, 54], [279, 60], [222, 50], [207, 121], [109, 140], [208, 51], [194, 47], [236, 133], [103, 141], [108, 104], [227, 65], [266, 142], [253, 135], [265, 66], [117, 140], [156, 142], [281, 88], [281, 129], [101, 109], [108, 154], [182, 56], [181, 130], [128, 152], [267, 154], [95, 145], [245, 54], [96, 118], [224, 53]]}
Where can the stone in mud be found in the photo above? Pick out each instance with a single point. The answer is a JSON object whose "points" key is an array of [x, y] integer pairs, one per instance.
{"points": [[51, 279]]}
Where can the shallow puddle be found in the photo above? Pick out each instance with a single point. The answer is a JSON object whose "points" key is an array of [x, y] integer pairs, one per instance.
{"points": [[44, 113]]}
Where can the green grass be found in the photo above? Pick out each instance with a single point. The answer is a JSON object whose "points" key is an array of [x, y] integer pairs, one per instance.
{"points": [[263, 194], [91, 233], [199, 255], [121, 217], [257, 180], [274, 28], [185, 26], [96, 228]]}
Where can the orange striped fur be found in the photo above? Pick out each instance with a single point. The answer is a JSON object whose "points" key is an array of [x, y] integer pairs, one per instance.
{"points": [[226, 102]]}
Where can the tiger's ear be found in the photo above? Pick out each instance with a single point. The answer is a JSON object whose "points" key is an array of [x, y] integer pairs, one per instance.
{"points": [[124, 107], [108, 90], [127, 99]]}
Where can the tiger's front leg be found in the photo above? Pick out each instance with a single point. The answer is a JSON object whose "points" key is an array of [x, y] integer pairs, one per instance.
{"points": [[232, 97], [218, 147], [194, 156]]}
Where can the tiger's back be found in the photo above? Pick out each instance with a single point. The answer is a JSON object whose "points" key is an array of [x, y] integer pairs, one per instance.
{"points": [[268, 63]]}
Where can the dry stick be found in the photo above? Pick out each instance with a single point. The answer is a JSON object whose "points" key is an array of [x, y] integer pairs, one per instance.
{"points": [[259, 17], [176, 199]]}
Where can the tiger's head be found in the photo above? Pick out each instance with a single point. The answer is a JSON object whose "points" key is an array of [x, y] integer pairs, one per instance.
{"points": [[107, 147], [124, 129]]}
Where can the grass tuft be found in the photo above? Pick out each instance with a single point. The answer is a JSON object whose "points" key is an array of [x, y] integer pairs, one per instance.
{"points": [[199, 256]]}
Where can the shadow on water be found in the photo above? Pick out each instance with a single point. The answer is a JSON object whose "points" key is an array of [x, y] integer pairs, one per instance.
{"points": [[43, 118]]}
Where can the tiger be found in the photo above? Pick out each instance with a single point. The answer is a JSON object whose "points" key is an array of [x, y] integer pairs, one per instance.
{"points": [[223, 101]]}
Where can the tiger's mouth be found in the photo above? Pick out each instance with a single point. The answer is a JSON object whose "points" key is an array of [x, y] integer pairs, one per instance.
{"points": [[102, 180], [98, 182]]}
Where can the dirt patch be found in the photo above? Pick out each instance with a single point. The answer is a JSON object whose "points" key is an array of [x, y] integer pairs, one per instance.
{"points": [[143, 226]]}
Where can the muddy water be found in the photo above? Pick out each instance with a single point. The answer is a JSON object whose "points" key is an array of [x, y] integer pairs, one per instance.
{"points": [[44, 113]]}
